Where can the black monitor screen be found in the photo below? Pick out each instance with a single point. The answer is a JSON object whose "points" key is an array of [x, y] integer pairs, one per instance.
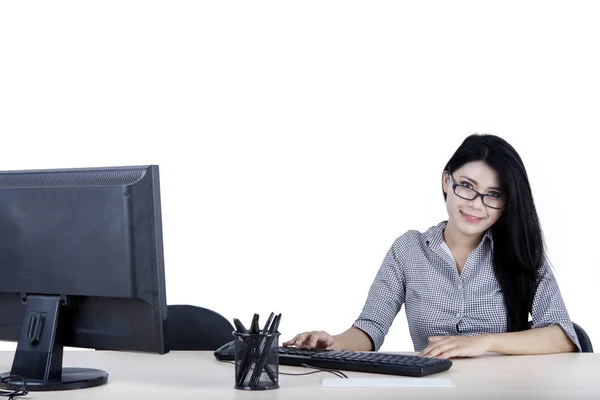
{"points": [[90, 241]]}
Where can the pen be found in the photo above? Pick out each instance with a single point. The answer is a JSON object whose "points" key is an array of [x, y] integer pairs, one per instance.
{"points": [[266, 328], [239, 326], [263, 355], [243, 363], [254, 326], [249, 350]]}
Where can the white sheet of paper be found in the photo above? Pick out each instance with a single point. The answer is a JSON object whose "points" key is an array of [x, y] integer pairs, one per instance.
{"points": [[388, 382]]}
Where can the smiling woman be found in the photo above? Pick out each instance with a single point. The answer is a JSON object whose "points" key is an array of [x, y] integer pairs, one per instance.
{"points": [[479, 215], [469, 283]]}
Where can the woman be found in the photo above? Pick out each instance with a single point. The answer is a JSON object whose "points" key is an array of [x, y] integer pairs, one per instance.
{"points": [[469, 283]]}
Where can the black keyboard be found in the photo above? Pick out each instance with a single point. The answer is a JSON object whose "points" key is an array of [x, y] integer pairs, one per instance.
{"points": [[373, 362]]}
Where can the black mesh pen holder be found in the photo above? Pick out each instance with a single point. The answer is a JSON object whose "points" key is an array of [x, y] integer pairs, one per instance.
{"points": [[256, 361]]}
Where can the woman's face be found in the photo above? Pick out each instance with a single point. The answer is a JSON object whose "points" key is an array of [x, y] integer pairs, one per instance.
{"points": [[472, 217]]}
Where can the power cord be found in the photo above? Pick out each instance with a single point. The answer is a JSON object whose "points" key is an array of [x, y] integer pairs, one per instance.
{"points": [[335, 372], [22, 391]]}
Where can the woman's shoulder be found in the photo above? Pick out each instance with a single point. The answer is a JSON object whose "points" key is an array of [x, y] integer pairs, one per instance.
{"points": [[414, 237]]}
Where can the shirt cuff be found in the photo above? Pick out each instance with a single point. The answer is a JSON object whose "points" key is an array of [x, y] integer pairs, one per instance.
{"points": [[568, 329], [370, 328], [571, 334]]}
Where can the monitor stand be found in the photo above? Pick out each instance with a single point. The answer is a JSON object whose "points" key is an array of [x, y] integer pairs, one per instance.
{"points": [[39, 353]]}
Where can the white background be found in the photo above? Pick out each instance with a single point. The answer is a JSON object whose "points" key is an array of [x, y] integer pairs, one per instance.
{"points": [[296, 141]]}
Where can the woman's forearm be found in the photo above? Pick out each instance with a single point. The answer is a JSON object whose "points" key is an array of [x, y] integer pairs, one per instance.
{"points": [[550, 339], [354, 340]]}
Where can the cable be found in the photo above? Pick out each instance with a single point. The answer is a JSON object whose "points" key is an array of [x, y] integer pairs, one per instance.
{"points": [[22, 391], [309, 373], [335, 372]]}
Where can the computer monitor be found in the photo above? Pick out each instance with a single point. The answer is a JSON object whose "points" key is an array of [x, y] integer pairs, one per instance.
{"points": [[81, 265]]}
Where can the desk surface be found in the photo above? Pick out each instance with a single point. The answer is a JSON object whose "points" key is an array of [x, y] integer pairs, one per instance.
{"points": [[197, 375]]}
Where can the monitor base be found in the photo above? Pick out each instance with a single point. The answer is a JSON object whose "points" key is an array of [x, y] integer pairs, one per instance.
{"points": [[72, 378]]}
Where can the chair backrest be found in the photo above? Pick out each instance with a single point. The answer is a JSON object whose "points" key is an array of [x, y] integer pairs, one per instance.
{"points": [[196, 328], [584, 339]]}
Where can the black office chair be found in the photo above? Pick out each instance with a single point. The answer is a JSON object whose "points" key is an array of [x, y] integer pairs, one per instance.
{"points": [[196, 328], [582, 336]]}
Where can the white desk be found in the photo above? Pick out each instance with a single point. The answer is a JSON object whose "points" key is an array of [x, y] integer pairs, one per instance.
{"points": [[197, 375]]}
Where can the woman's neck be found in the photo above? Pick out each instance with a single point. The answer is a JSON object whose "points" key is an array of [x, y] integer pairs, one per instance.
{"points": [[458, 241]]}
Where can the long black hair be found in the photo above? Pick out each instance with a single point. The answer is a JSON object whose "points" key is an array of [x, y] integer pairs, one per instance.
{"points": [[517, 235]]}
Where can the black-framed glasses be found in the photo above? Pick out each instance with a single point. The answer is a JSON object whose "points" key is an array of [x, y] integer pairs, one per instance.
{"points": [[467, 193]]}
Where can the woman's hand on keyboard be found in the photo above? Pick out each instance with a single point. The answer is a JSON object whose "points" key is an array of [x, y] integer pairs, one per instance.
{"points": [[314, 339], [457, 346]]}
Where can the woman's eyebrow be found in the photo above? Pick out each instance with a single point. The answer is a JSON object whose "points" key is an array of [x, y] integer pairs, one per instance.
{"points": [[475, 182]]}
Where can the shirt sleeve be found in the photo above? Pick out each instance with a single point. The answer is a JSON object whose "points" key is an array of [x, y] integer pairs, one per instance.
{"points": [[548, 307], [386, 295]]}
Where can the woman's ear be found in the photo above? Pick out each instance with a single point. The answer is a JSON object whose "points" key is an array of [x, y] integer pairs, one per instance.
{"points": [[445, 181]]}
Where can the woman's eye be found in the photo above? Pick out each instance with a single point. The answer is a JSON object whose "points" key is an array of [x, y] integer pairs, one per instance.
{"points": [[495, 194], [467, 184]]}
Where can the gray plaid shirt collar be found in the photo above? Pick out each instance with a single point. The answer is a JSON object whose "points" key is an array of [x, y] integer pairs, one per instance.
{"points": [[435, 236]]}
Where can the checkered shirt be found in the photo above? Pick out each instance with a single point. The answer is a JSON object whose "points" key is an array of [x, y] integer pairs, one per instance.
{"points": [[420, 272]]}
